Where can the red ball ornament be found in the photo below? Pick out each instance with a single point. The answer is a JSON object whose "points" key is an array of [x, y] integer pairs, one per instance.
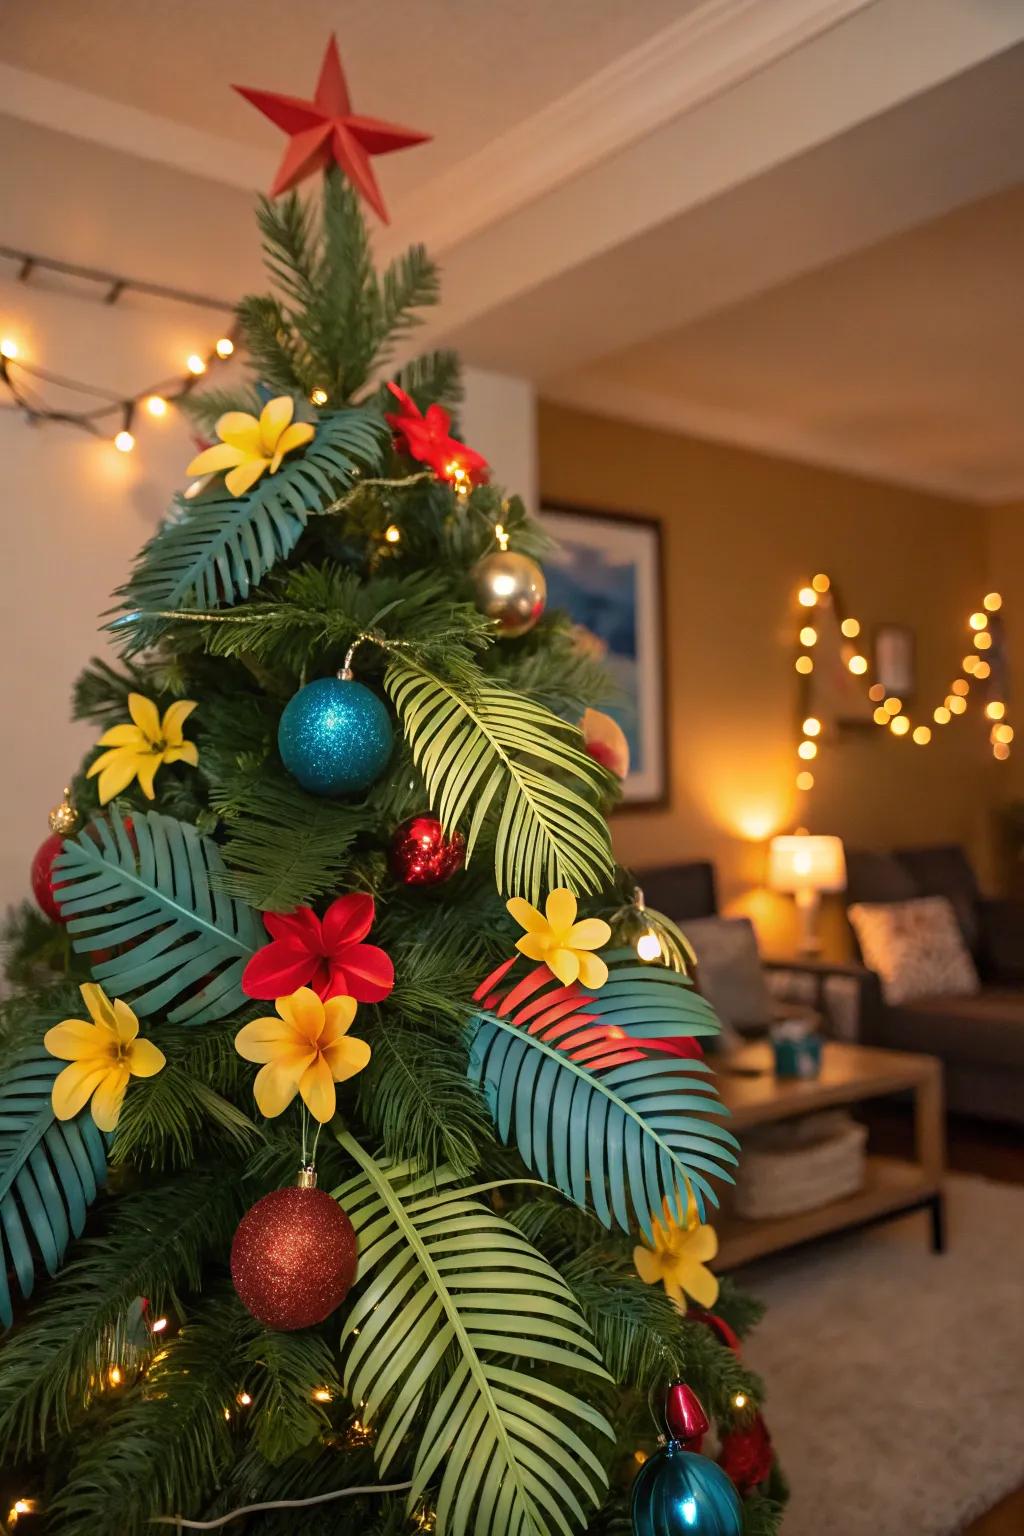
{"points": [[422, 854], [746, 1454], [293, 1258], [43, 886]]}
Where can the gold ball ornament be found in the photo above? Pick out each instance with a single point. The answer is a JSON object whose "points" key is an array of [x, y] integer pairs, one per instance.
{"points": [[510, 589], [64, 818]]}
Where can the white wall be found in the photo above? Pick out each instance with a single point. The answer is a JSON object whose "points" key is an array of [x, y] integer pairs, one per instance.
{"points": [[75, 512]]}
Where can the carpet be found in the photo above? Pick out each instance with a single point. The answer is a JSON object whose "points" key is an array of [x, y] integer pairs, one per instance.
{"points": [[895, 1377]]}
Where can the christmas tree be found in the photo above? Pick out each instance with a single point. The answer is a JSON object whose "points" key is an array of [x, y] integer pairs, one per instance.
{"points": [[335, 892]]}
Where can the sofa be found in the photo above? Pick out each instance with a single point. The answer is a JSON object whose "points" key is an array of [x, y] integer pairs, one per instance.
{"points": [[978, 1037]]}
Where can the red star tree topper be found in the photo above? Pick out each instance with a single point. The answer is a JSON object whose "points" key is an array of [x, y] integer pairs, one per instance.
{"points": [[327, 129]]}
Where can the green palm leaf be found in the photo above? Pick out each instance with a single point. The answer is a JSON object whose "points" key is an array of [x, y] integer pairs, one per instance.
{"points": [[217, 548], [49, 1174], [593, 1091], [498, 749], [456, 1309], [147, 893]]}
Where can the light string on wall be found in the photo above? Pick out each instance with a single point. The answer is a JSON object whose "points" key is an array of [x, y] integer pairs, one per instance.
{"points": [[114, 414], [981, 679]]}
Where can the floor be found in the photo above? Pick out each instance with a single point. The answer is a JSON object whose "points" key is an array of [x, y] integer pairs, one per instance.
{"points": [[993, 1152]]}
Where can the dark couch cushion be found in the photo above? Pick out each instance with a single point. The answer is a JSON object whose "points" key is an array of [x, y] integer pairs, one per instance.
{"points": [[984, 1030], [680, 890], [945, 870]]}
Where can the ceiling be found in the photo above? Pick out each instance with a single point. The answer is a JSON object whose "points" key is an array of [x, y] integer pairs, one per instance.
{"points": [[797, 227]]}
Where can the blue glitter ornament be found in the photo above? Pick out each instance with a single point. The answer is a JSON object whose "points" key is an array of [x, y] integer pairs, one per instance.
{"points": [[678, 1493], [335, 736]]}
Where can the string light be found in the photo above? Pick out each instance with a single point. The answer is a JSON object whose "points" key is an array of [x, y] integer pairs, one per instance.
{"points": [[992, 601], [393, 534], [18, 1508], [805, 780], [899, 725], [807, 597], [978, 620], [893, 705], [850, 628], [648, 947], [159, 1325], [156, 405], [995, 710], [820, 583], [970, 664], [740, 1400], [982, 670], [115, 1376], [224, 348], [124, 442], [243, 1400], [922, 735], [881, 716], [858, 665], [321, 1394], [804, 664], [960, 685], [982, 640], [876, 691], [941, 715], [956, 704], [318, 396], [1003, 734], [195, 364], [1001, 751], [807, 750], [812, 726], [8, 349], [808, 635]]}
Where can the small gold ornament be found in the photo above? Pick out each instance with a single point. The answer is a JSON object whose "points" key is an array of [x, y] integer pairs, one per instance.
{"points": [[64, 817], [509, 588]]}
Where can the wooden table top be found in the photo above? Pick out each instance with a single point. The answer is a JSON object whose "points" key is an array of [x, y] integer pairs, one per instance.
{"points": [[752, 1093]]}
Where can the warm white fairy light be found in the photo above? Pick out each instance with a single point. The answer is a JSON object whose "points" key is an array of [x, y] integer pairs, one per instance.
{"points": [[393, 534], [9, 348], [318, 396], [124, 442], [195, 364], [156, 405], [648, 946], [224, 348]]}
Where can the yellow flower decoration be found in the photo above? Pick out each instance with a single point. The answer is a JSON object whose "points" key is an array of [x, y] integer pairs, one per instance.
{"points": [[104, 1055], [679, 1258], [138, 750], [563, 944], [249, 448], [305, 1050]]}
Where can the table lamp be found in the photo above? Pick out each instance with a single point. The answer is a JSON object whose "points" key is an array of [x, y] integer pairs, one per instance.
{"points": [[805, 867]]}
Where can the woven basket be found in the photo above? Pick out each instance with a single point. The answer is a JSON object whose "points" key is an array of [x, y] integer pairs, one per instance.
{"points": [[798, 1165]]}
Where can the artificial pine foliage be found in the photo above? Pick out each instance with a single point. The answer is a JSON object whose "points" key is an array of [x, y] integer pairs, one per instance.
{"points": [[491, 1369]]}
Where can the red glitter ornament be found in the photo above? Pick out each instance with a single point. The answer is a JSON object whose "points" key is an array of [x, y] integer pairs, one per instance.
{"points": [[422, 854], [293, 1258], [43, 887], [746, 1454]]}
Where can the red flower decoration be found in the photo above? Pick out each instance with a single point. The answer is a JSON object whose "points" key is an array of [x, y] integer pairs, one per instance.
{"points": [[326, 954], [427, 439], [746, 1454]]}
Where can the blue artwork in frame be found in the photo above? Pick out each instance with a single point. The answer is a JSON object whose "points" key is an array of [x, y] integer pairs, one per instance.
{"points": [[607, 575]]}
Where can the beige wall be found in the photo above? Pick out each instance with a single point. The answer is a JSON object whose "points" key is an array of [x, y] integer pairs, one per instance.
{"points": [[742, 531]]}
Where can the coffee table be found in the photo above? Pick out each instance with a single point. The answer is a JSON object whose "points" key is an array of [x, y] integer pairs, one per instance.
{"points": [[849, 1074]]}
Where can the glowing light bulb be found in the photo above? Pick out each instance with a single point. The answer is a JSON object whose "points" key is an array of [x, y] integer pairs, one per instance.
{"points": [[393, 533], [881, 716], [8, 349], [115, 1376], [807, 750], [804, 664], [156, 405], [858, 665], [850, 628], [807, 597], [961, 686], [982, 640], [321, 1394], [808, 635], [893, 705], [243, 1400], [1001, 751], [922, 735], [648, 947], [224, 347], [1003, 733], [970, 664], [876, 691], [978, 620], [227, 1414], [318, 396], [899, 725], [195, 364], [992, 601], [159, 1325], [955, 704], [996, 710], [812, 726], [982, 670], [124, 442], [941, 716], [805, 779], [820, 583], [739, 1400]]}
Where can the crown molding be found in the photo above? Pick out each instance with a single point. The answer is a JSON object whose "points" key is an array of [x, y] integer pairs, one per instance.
{"points": [[715, 46], [778, 439]]}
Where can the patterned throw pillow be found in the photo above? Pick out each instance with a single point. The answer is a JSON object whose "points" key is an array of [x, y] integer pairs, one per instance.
{"points": [[916, 947]]}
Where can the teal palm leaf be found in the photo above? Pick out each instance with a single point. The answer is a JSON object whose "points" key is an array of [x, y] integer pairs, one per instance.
{"points": [[218, 547], [455, 1311], [593, 1091], [499, 750], [49, 1174], [147, 894]]}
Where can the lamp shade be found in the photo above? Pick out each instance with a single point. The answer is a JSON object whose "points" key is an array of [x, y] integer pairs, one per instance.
{"points": [[805, 863]]}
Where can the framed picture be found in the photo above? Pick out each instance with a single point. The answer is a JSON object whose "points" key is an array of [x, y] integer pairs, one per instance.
{"points": [[894, 660], [607, 575]]}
